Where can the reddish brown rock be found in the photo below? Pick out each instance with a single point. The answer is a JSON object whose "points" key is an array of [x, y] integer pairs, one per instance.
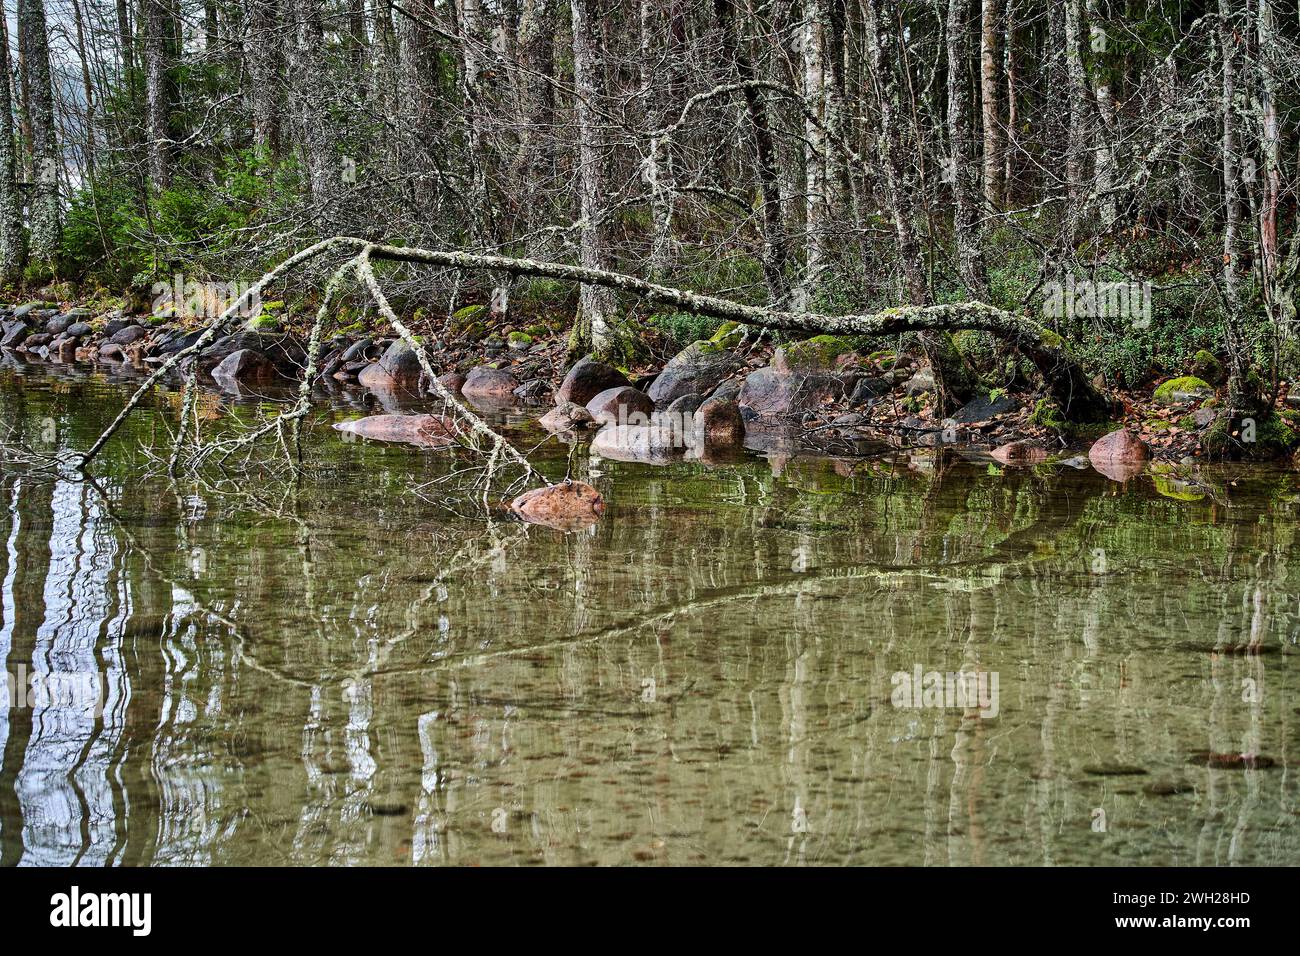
{"points": [[1121, 455], [427, 431], [485, 382], [621, 404], [566, 506], [452, 381], [587, 379], [720, 422], [1020, 453], [771, 396]]}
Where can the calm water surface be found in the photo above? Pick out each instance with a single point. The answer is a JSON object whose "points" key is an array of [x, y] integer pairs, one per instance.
{"points": [[340, 671]]}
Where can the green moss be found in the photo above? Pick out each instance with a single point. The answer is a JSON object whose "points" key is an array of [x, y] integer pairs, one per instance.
{"points": [[1157, 424], [537, 331], [1188, 384], [1051, 339], [819, 352], [728, 335], [1047, 415], [1260, 438], [519, 338], [1206, 366]]}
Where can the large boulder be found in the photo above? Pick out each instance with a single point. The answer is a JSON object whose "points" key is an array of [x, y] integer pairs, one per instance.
{"points": [[822, 353], [720, 423], [770, 396], [402, 365], [285, 352], [620, 404], [427, 431], [487, 382], [12, 334], [566, 506], [587, 379], [127, 335], [244, 367], [652, 444], [696, 369]]}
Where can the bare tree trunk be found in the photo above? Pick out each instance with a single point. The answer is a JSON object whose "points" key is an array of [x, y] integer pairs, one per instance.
{"points": [[990, 100], [265, 44], [775, 254], [815, 93], [1241, 397], [159, 31], [44, 203], [1270, 144], [656, 174], [13, 240], [1077, 104], [1106, 136], [311, 100], [960, 172], [595, 304]]}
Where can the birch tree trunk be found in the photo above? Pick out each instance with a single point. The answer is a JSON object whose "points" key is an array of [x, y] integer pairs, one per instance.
{"points": [[989, 98], [44, 203], [595, 304], [966, 216], [13, 239], [815, 93], [1106, 137]]}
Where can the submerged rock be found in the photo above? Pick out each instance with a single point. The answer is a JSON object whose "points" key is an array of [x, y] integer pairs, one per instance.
{"points": [[650, 444], [1230, 761], [244, 367], [427, 431], [567, 416], [566, 506], [587, 379], [1020, 453]]}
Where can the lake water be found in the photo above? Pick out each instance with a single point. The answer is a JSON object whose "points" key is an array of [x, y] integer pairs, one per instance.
{"points": [[343, 669]]}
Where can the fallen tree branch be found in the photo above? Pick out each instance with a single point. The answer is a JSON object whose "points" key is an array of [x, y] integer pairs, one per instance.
{"points": [[1063, 377]]}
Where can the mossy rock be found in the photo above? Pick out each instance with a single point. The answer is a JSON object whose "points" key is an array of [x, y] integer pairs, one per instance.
{"points": [[818, 353], [1263, 437], [728, 335], [1185, 388], [474, 331], [466, 317], [1207, 367], [1051, 339], [537, 331], [519, 340]]}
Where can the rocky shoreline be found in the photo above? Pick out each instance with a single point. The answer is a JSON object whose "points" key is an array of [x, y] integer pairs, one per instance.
{"points": [[715, 395]]}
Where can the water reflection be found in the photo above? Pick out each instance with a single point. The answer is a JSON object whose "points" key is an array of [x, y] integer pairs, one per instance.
{"points": [[705, 676]]}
